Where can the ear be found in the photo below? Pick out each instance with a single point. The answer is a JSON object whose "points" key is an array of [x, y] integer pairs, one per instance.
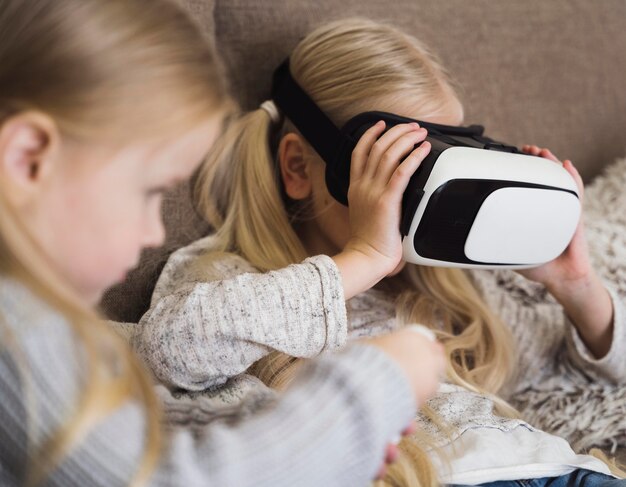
{"points": [[294, 167], [28, 143]]}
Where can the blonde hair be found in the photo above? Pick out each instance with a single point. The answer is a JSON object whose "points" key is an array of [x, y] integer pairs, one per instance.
{"points": [[113, 70], [348, 67]]}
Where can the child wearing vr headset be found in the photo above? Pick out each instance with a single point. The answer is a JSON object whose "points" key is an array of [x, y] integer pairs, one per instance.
{"points": [[104, 104], [264, 190]]}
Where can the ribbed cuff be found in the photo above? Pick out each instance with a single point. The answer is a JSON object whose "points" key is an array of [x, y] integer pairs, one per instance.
{"points": [[333, 301]]}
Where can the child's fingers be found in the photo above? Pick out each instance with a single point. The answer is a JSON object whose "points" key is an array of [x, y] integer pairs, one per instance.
{"points": [[534, 150], [539, 152], [410, 429], [547, 154], [362, 149], [569, 167], [382, 145], [396, 153], [401, 176], [530, 149], [391, 455]]}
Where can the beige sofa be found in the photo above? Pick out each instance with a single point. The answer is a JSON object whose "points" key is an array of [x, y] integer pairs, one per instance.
{"points": [[552, 73]]}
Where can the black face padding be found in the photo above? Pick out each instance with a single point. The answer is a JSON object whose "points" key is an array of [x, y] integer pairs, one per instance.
{"points": [[335, 145]]}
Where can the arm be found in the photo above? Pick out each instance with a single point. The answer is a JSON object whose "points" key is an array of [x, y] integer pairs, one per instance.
{"points": [[330, 428], [589, 308], [593, 315], [583, 329], [571, 279], [203, 333]]}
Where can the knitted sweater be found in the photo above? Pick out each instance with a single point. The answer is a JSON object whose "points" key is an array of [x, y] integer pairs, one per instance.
{"points": [[334, 422]]}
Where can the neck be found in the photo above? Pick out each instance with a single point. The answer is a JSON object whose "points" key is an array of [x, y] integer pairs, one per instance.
{"points": [[314, 240]]}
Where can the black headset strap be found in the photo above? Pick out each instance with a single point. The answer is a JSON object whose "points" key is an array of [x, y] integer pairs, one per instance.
{"points": [[312, 122], [331, 143]]}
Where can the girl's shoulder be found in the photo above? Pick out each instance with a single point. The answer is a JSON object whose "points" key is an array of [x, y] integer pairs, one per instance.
{"points": [[201, 261], [44, 374]]}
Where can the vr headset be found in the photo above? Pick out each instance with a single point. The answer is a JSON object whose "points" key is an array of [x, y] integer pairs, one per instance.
{"points": [[473, 202]]}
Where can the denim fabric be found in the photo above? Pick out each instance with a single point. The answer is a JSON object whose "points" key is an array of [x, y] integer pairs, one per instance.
{"points": [[578, 478]]}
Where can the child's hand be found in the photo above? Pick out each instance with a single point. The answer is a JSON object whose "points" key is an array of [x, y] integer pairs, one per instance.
{"points": [[422, 359], [573, 265], [392, 453], [379, 174]]}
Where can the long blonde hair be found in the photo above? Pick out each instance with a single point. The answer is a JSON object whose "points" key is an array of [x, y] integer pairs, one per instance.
{"points": [[348, 67], [112, 70]]}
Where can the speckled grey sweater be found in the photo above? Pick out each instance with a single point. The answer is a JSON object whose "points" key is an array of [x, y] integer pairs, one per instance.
{"points": [[330, 429]]}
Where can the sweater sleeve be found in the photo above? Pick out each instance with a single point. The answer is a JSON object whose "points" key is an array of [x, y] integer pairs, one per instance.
{"points": [[330, 428], [201, 332]]}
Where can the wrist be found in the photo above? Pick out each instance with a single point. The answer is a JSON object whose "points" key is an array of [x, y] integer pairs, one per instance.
{"points": [[360, 270], [374, 260], [576, 289]]}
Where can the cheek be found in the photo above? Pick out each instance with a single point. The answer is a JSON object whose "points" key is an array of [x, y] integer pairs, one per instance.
{"points": [[334, 221], [102, 239]]}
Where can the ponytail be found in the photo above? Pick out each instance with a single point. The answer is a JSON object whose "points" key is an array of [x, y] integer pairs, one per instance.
{"points": [[238, 192]]}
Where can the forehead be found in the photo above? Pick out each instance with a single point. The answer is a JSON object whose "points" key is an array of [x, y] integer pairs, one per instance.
{"points": [[448, 112]]}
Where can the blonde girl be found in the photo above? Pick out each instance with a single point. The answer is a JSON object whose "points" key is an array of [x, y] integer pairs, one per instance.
{"points": [[263, 189], [103, 105]]}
